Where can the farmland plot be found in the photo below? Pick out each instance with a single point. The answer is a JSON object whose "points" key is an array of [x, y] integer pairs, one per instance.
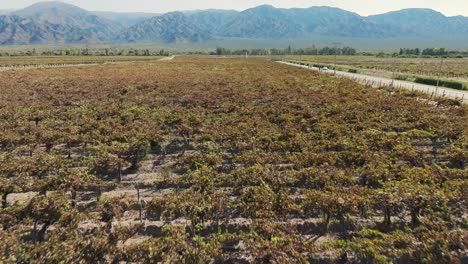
{"points": [[229, 160]]}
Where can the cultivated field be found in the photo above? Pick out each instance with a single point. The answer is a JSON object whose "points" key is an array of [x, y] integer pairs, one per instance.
{"points": [[51, 60], [199, 160], [452, 68]]}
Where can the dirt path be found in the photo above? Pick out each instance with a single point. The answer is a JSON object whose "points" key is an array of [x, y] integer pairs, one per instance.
{"points": [[168, 58], [379, 81]]}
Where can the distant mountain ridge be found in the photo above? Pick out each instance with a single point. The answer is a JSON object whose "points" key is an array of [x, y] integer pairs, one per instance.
{"points": [[425, 22], [15, 30], [61, 23], [174, 27], [72, 24], [270, 22], [125, 19]]}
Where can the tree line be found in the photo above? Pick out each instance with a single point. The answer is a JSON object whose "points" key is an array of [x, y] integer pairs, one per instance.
{"points": [[431, 52], [427, 51], [313, 50], [87, 52], [347, 51], [222, 51]]}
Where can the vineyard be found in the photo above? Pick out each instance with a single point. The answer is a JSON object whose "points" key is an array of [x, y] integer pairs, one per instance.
{"points": [[452, 68], [201, 160], [19, 61]]}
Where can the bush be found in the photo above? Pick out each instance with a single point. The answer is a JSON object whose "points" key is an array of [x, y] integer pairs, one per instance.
{"points": [[155, 208], [353, 70], [444, 83], [401, 77]]}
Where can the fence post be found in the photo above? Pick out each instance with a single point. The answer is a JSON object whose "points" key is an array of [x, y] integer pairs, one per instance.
{"points": [[139, 203]]}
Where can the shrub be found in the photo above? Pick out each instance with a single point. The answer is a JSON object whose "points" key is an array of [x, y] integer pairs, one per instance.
{"points": [[155, 208], [401, 77], [444, 83]]}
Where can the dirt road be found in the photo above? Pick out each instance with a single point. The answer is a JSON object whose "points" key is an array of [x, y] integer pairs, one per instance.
{"points": [[379, 81]]}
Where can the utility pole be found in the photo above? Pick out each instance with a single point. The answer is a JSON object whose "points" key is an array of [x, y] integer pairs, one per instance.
{"points": [[337, 44], [334, 66], [440, 69]]}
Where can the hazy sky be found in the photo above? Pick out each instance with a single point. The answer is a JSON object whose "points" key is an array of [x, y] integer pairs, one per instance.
{"points": [[363, 7]]}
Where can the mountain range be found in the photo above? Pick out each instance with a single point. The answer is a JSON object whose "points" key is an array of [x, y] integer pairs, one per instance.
{"points": [[61, 23]]}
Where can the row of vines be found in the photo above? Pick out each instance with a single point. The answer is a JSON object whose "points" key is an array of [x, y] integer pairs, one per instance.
{"points": [[201, 160]]}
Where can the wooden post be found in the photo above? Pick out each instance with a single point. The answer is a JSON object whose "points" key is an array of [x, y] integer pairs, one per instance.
{"points": [[4, 200], [139, 202]]}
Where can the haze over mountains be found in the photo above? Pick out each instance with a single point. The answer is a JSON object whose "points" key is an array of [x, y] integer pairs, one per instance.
{"points": [[60, 23], [125, 19]]}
